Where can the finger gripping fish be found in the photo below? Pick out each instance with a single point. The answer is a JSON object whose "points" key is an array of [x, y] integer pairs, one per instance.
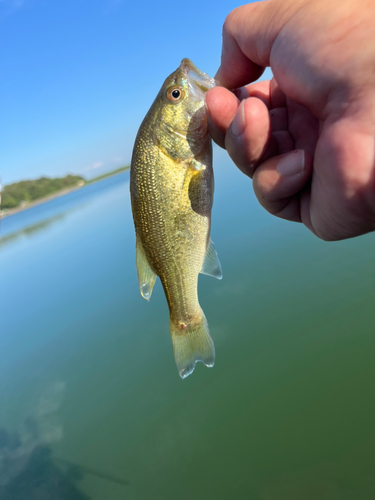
{"points": [[171, 186]]}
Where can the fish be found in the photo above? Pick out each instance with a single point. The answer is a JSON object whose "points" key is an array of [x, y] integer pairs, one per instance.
{"points": [[171, 188]]}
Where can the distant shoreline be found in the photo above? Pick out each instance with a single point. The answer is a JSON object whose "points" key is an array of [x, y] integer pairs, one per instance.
{"points": [[57, 194]]}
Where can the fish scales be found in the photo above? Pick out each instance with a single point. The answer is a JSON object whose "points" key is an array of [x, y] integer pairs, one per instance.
{"points": [[171, 191]]}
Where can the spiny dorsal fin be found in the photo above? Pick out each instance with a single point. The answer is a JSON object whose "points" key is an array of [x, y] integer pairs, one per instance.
{"points": [[211, 265], [146, 276]]}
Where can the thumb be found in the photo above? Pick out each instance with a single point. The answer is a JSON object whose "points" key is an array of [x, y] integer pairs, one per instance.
{"points": [[279, 185]]}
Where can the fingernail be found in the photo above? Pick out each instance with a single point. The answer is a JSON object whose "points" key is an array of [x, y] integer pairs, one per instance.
{"points": [[292, 163], [238, 124]]}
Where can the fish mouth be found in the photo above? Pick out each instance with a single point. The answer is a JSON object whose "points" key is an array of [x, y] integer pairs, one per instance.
{"points": [[200, 82]]}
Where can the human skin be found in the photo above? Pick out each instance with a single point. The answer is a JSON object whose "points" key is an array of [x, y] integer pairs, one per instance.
{"points": [[307, 137]]}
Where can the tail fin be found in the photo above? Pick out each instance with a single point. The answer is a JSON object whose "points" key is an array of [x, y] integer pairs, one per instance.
{"points": [[192, 343]]}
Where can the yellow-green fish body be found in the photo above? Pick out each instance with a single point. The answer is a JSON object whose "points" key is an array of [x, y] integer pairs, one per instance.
{"points": [[171, 184]]}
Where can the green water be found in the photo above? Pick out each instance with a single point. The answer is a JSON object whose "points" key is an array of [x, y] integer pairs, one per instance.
{"points": [[87, 368]]}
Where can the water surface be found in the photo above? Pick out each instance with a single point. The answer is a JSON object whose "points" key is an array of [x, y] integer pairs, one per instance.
{"points": [[90, 392]]}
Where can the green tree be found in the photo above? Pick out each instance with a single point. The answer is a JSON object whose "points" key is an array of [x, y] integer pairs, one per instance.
{"points": [[25, 191]]}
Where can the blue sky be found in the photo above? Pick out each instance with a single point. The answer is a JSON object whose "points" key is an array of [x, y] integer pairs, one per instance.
{"points": [[78, 76]]}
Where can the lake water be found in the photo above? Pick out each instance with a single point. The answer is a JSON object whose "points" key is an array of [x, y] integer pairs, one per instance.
{"points": [[91, 404]]}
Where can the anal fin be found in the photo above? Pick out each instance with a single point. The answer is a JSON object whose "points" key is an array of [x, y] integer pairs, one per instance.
{"points": [[146, 276], [211, 265]]}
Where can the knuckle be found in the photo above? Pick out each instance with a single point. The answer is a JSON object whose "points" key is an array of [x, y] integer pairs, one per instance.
{"points": [[227, 25], [232, 20]]}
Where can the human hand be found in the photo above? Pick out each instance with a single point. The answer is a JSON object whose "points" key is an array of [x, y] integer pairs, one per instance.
{"points": [[307, 137]]}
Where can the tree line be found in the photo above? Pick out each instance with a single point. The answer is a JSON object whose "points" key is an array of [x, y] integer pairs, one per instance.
{"points": [[18, 193]]}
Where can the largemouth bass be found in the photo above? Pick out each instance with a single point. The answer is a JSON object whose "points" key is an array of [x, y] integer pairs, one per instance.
{"points": [[171, 186]]}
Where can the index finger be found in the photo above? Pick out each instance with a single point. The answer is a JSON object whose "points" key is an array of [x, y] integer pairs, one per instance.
{"points": [[248, 36]]}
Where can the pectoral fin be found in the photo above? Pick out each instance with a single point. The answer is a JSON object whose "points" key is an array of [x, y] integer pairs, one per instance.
{"points": [[211, 265], [146, 276], [197, 165]]}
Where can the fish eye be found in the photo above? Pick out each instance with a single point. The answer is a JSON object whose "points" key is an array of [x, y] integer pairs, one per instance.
{"points": [[175, 94]]}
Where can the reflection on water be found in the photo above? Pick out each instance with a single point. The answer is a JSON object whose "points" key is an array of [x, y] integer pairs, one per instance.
{"points": [[39, 478], [30, 230], [89, 393], [36, 432], [76, 471], [27, 469]]}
